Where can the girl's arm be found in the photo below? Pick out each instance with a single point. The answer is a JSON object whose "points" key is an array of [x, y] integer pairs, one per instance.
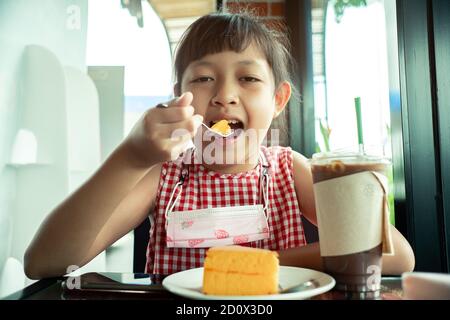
{"points": [[309, 255], [116, 199], [403, 259]]}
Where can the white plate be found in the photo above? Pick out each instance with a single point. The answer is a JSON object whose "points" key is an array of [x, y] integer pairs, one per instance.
{"points": [[189, 285]]}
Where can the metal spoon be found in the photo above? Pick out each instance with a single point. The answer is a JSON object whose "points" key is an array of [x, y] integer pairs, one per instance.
{"points": [[310, 284], [216, 132], [165, 105]]}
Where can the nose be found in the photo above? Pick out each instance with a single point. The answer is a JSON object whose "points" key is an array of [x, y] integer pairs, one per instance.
{"points": [[225, 95]]}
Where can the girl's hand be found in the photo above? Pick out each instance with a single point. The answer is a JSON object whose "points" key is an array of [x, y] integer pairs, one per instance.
{"points": [[163, 133]]}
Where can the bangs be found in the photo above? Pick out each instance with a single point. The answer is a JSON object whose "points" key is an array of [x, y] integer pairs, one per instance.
{"points": [[215, 33]]}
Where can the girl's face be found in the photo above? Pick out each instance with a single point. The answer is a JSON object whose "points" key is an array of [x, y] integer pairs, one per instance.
{"points": [[238, 87]]}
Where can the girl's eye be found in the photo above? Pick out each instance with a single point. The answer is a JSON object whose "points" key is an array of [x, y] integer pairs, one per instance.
{"points": [[203, 79], [249, 79]]}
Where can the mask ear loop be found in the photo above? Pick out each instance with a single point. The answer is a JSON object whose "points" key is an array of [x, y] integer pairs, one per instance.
{"points": [[265, 179], [265, 191], [171, 204]]}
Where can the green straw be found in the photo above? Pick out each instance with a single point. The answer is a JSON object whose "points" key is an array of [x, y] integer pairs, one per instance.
{"points": [[359, 123]]}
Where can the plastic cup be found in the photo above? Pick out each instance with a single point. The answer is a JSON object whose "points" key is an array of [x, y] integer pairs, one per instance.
{"points": [[349, 201]]}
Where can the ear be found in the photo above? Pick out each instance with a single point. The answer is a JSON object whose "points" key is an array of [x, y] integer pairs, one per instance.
{"points": [[282, 95], [176, 90]]}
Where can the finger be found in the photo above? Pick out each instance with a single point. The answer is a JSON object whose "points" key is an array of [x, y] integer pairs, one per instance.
{"points": [[175, 110], [172, 114], [182, 101], [188, 126]]}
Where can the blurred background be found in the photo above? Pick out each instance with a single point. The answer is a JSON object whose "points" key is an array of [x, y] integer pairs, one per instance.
{"points": [[75, 75]]}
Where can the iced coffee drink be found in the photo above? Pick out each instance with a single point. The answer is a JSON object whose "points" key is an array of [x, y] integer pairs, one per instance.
{"points": [[351, 193]]}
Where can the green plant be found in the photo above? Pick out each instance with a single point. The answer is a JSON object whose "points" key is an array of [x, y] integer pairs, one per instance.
{"points": [[390, 176], [391, 203], [325, 132], [341, 5]]}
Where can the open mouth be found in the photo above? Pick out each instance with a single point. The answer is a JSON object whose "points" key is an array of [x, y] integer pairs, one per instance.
{"points": [[234, 124], [229, 131]]}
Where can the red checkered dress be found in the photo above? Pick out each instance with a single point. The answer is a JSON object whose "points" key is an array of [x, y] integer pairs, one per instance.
{"points": [[203, 188]]}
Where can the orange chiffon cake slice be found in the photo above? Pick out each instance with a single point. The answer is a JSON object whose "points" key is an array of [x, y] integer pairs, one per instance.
{"points": [[237, 270], [222, 127]]}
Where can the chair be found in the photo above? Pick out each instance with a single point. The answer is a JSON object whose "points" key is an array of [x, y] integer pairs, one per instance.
{"points": [[141, 237]]}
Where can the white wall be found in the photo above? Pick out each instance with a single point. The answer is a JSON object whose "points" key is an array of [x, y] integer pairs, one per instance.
{"points": [[60, 26], [109, 81], [114, 41]]}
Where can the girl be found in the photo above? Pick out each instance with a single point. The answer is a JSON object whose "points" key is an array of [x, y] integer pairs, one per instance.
{"points": [[228, 67]]}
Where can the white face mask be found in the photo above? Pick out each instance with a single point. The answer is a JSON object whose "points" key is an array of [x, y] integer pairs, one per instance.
{"points": [[222, 226]]}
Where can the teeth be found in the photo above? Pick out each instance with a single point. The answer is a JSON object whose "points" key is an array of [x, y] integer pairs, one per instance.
{"points": [[229, 121]]}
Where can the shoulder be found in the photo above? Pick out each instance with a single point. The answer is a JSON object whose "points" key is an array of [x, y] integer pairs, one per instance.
{"points": [[302, 170], [304, 186], [280, 158], [291, 165], [300, 162], [285, 155], [276, 151]]}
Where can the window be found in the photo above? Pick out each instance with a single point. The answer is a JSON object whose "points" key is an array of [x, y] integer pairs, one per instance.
{"points": [[351, 60], [115, 39]]}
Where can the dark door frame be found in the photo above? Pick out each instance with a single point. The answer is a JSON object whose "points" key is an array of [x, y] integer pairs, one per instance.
{"points": [[441, 32], [301, 111], [423, 221]]}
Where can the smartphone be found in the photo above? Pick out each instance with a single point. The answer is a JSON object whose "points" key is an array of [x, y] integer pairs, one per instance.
{"points": [[120, 282]]}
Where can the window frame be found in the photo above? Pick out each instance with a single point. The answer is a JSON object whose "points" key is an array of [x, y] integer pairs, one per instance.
{"points": [[441, 31], [422, 219], [301, 112]]}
